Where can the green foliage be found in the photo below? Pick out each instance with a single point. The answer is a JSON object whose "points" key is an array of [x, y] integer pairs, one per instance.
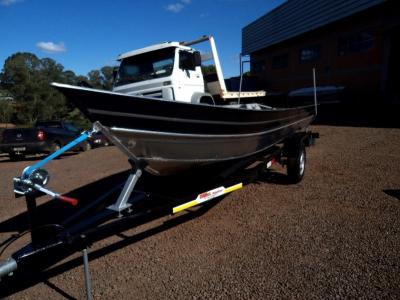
{"points": [[6, 111], [208, 69], [78, 119], [101, 79], [107, 77], [26, 79]]}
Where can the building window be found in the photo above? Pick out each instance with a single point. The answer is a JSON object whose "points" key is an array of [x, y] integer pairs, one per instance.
{"points": [[258, 66], [280, 61], [355, 42], [309, 54]]}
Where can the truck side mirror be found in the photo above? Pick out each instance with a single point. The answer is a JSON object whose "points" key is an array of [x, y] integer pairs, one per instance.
{"points": [[197, 58], [187, 61]]}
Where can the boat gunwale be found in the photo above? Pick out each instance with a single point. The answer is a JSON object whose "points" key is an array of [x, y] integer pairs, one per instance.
{"points": [[184, 120], [144, 98], [216, 136]]}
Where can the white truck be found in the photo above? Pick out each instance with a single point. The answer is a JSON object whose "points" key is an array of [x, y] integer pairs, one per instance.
{"points": [[172, 71]]}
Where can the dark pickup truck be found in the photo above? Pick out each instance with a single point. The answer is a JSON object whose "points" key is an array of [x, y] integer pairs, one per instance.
{"points": [[45, 137]]}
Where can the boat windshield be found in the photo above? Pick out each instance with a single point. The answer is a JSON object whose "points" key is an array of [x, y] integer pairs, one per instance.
{"points": [[146, 66]]}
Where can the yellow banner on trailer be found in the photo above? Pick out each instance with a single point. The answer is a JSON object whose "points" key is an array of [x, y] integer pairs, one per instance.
{"points": [[206, 196]]}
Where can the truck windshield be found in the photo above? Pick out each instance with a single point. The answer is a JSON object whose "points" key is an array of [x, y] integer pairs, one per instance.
{"points": [[146, 66]]}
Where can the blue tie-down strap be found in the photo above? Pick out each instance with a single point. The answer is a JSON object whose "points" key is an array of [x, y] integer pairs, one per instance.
{"points": [[28, 170]]}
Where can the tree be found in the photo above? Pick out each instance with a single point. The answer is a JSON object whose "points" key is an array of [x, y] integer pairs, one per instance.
{"points": [[6, 111], [101, 79], [68, 77], [107, 76], [95, 79], [6, 107], [28, 79], [208, 69]]}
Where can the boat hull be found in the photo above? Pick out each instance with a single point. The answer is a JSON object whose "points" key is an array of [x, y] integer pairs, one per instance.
{"points": [[172, 137]]}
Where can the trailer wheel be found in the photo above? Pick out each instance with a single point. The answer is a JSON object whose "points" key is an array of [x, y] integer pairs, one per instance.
{"points": [[296, 163]]}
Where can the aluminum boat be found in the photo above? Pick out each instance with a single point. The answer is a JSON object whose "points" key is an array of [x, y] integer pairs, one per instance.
{"points": [[172, 136]]}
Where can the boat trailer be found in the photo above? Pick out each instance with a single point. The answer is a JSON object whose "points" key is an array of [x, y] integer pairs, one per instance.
{"points": [[131, 207]]}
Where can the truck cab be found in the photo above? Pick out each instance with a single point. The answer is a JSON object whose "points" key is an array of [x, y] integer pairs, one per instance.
{"points": [[169, 71], [172, 71]]}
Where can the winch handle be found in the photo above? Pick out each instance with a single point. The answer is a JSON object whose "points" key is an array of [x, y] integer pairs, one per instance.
{"points": [[72, 201], [69, 200]]}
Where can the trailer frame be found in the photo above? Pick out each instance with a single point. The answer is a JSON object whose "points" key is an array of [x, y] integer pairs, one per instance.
{"points": [[77, 232]]}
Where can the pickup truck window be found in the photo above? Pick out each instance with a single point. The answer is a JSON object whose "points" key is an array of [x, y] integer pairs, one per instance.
{"points": [[146, 66], [71, 127]]}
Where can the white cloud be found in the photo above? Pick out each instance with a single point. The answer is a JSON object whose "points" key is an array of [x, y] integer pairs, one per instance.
{"points": [[175, 7], [178, 6], [8, 2], [51, 47]]}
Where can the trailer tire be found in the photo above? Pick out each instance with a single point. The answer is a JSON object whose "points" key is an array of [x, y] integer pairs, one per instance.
{"points": [[296, 162]]}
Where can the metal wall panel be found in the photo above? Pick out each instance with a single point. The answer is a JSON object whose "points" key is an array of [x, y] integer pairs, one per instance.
{"points": [[295, 17]]}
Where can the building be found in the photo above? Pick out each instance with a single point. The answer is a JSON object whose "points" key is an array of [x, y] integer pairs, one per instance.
{"points": [[354, 44]]}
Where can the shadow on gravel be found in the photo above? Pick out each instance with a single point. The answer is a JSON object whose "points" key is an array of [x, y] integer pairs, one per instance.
{"points": [[58, 290], [273, 177], [393, 193], [5, 158], [55, 212], [29, 278], [171, 188]]}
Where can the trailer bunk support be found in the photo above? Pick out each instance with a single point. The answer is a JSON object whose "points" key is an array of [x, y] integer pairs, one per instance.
{"points": [[122, 201]]}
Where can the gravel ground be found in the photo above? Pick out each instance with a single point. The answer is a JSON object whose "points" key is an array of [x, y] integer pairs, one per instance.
{"points": [[334, 235]]}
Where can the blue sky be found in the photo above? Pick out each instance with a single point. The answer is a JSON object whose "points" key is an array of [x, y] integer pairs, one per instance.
{"points": [[86, 35]]}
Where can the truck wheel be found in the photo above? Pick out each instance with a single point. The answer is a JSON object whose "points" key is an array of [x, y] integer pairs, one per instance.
{"points": [[15, 157], [296, 163], [86, 147], [207, 100], [54, 147]]}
